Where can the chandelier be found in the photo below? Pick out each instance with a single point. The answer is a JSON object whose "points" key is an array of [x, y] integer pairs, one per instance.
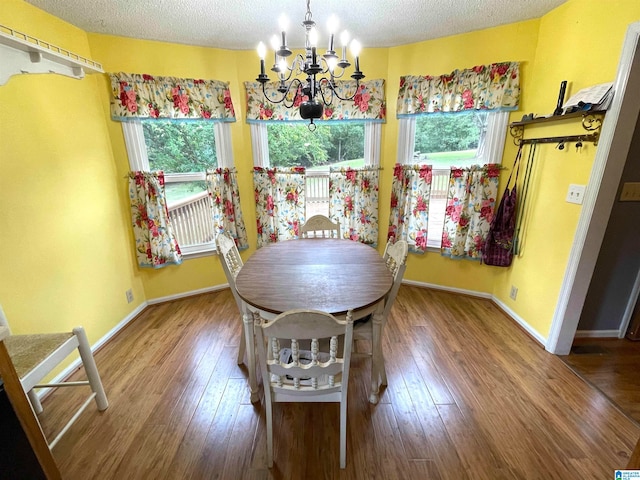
{"points": [[321, 71]]}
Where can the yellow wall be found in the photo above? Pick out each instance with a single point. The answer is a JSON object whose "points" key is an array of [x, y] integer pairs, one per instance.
{"points": [[516, 42], [579, 42], [163, 59], [66, 256], [64, 213]]}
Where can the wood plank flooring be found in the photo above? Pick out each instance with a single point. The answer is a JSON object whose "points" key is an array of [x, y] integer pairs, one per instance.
{"points": [[611, 365], [470, 396]]}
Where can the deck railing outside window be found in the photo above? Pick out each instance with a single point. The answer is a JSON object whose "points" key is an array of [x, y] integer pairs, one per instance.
{"points": [[191, 219], [317, 193]]}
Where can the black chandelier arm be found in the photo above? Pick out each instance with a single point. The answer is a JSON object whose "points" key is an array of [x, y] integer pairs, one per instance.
{"points": [[331, 87], [297, 63], [284, 94]]}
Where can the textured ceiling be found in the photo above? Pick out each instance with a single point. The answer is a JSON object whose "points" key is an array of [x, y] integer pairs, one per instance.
{"points": [[241, 24]]}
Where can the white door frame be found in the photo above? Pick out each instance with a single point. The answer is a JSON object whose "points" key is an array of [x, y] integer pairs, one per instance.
{"points": [[611, 156]]}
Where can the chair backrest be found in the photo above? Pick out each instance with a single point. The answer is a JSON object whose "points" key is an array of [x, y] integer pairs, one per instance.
{"points": [[231, 262], [298, 375], [395, 256], [320, 226]]}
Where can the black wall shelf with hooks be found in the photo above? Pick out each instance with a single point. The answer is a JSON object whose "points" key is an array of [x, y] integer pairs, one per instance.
{"points": [[591, 122]]}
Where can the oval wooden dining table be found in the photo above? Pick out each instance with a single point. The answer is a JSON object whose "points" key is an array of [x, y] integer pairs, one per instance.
{"points": [[327, 274]]}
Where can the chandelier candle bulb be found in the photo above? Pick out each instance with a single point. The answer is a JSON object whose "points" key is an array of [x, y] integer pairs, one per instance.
{"points": [[274, 45], [262, 51], [332, 24], [284, 24]]}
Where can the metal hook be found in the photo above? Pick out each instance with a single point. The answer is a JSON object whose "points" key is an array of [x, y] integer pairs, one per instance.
{"points": [[579, 146], [560, 145]]}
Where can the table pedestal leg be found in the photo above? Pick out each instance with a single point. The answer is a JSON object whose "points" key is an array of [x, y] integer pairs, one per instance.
{"points": [[378, 373], [247, 319]]}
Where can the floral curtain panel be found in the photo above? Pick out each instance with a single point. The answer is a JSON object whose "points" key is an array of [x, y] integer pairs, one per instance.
{"points": [[222, 184], [484, 87], [353, 201], [156, 244], [279, 195], [368, 103], [409, 216], [135, 96], [470, 204]]}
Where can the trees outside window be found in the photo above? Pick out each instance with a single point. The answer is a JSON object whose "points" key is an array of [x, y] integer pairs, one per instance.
{"points": [[181, 147], [294, 145], [329, 145]]}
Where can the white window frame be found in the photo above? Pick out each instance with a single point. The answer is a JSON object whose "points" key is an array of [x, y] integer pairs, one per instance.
{"points": [[139, 160], [490, 151]]}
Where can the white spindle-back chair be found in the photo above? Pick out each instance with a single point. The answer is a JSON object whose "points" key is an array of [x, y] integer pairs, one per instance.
{"points": [[395, 257], [320, 374], [320, 226], [231, 264], [34, 356]]}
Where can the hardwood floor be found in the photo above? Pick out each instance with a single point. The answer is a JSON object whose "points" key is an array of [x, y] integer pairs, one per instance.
{"points": [[611, 365], [470, 396]]}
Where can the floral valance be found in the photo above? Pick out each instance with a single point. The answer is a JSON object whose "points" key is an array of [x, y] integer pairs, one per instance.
{"points": [[367, 104], [484, 87], [135, 96]]}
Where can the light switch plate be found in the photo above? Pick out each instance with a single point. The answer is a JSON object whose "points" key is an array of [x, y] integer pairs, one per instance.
{"points": [[630, 192], [576, 193]]}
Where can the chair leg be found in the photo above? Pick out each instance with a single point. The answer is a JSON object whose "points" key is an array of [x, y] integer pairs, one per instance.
{"points": [[90, 368], [251, 355], [243, 346], [343, 432], [269, 415], [35, 401], [381, 370]]}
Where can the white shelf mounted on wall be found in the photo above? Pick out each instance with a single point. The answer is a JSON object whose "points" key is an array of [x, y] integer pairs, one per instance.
{"points": [[22, 53]]}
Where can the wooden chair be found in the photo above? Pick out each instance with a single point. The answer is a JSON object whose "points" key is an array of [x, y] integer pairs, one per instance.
{"points": [[34, 356], [231, 264], [320, 226], [295, 375], [395, 257]]}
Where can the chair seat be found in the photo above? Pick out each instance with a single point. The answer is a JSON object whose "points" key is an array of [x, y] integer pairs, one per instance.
{"points": [[28, 351]]}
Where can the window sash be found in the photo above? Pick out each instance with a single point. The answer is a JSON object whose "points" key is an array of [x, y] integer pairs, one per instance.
{"points": [[492, 150], [139, 161], [260, 144]]}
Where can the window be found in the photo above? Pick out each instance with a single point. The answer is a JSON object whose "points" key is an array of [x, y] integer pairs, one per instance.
{"points": [[184, 150], [288, 144], [450, 140]]}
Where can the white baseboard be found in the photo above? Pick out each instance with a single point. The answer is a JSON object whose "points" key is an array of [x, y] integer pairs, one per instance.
{"points": [[498, 302], [215, 288], [111, 333], [520, 321], [598, 333], [96, 346], [433, 286]]}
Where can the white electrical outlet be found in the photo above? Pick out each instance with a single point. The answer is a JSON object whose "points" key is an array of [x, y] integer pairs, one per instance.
{"points": [[514, 292], [576, 193], [129, 294]]}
